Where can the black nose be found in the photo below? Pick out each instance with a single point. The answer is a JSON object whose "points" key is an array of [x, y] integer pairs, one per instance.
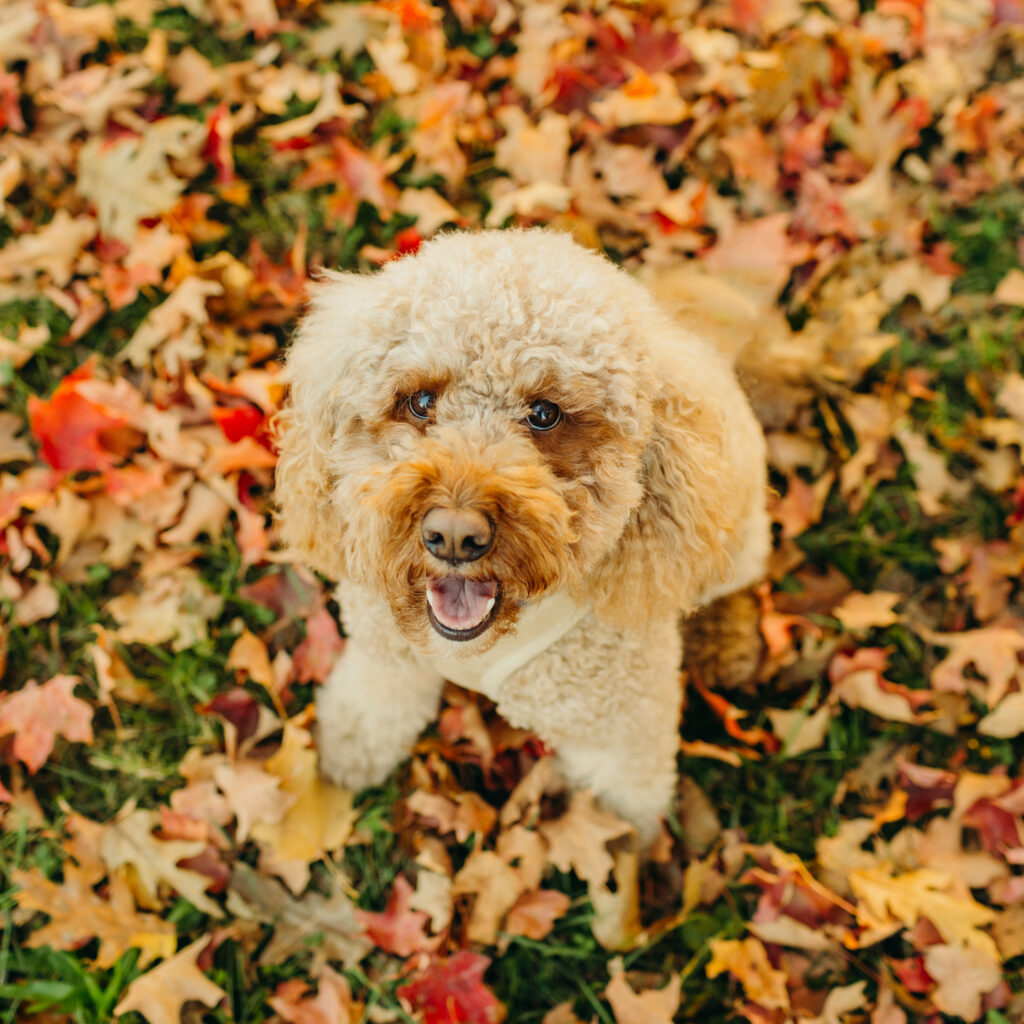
{"points": [[457, 534]]}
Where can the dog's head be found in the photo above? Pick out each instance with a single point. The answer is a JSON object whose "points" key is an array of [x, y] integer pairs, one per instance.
{"points": [[499, 417]]}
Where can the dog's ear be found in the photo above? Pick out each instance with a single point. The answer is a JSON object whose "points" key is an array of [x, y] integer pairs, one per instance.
{"points": [[703, 477], [308, 428]]}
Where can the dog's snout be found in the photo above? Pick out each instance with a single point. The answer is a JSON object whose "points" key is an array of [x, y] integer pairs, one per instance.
{"points": [[457, 534]]}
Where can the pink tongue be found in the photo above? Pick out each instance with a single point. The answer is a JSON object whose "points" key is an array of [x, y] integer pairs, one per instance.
{"points": [[459, 603]]}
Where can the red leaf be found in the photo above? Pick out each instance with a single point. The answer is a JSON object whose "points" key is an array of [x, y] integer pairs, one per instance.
{"points": [[398, 930], [316, 655], [452, 991], [243, 421], [70, 427]]}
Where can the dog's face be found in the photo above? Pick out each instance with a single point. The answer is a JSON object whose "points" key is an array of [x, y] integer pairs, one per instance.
{"points": [[473, 428]]}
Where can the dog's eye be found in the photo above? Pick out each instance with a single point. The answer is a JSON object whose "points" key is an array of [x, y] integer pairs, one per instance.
{"points": [[544, 415], [421, 405]]}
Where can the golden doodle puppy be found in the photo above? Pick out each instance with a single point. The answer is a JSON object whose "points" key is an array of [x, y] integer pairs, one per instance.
{"points": [[522, 473]]}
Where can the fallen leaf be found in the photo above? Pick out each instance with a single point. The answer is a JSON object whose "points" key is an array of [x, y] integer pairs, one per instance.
{"points": [[921, 893], [129, 843], [965, 975], [452, 991], [651, 1006], [578, 840], [160, 995], [332, 1004], [534, 913], [398, 929], [78, 915], [296, 922], [38, 714], [747, 961], [864, 611]]}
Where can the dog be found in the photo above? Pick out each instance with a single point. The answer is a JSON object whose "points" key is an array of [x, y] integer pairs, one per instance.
{"points": [[522, 472]]}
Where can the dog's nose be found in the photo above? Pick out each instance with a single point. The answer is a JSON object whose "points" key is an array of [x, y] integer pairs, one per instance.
{"points": [[457, 534]]}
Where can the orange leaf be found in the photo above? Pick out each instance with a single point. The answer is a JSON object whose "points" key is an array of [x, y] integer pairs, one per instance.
{"points": [[70, 427], [37, 714]]}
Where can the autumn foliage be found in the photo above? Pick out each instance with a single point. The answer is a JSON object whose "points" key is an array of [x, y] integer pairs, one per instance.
{"points": [[836, 184]]}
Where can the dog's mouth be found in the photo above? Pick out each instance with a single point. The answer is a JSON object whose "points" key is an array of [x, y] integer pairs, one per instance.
{"points": [[461, 609]]}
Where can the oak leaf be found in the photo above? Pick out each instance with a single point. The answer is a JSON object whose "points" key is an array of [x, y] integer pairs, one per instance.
{"points": [[747, 961], [78, 915], [296, 922], [578, 840], [130, 843], [160, 995], [921, 894], [495, 886], [38, 714]]}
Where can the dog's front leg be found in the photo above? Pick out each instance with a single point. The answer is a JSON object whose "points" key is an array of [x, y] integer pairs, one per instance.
{"points": [[377, 700], [609, 702]]}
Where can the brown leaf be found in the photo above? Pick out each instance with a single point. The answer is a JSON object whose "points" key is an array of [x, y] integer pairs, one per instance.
{"points": [[256, 898], [78, 915], [651, 1006], [535, 913], [578, 840], [161, 994]]}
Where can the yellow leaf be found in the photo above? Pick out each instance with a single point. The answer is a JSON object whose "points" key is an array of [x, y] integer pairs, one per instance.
{"points": [[920, 893], [747, 961]]}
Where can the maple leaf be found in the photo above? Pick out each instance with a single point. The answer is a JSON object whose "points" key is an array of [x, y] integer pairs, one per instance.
{"points": [[578, 840], [332, 1003], [71, 427], [253, 794], [320, 649], [78, 915], [965, 975], [398, 929], [452, 991], [534, 913], [161, 994], [38, 714], [130, 179]]}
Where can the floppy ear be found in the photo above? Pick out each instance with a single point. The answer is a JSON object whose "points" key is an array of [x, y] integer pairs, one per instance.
{"points": [[309, 426], [703, 475]]}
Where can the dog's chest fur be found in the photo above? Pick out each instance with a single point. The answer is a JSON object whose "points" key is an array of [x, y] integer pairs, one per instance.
{"points": [[541, 624]]}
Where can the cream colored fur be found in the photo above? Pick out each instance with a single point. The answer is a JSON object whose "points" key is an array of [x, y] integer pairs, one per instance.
{"points": [[666, 513]]}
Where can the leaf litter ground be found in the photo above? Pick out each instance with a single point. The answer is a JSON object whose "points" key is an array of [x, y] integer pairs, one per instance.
{"points": [[838, 182]]}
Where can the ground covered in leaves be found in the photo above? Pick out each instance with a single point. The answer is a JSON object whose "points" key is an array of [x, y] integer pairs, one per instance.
{"points": [[840, 182]]}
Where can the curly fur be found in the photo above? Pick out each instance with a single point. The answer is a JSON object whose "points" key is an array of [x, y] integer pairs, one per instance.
{"points": [[645, 503]]}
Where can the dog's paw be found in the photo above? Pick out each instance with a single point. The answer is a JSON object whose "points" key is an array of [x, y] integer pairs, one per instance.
{"points": [[723, 641], [348, 761]]}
